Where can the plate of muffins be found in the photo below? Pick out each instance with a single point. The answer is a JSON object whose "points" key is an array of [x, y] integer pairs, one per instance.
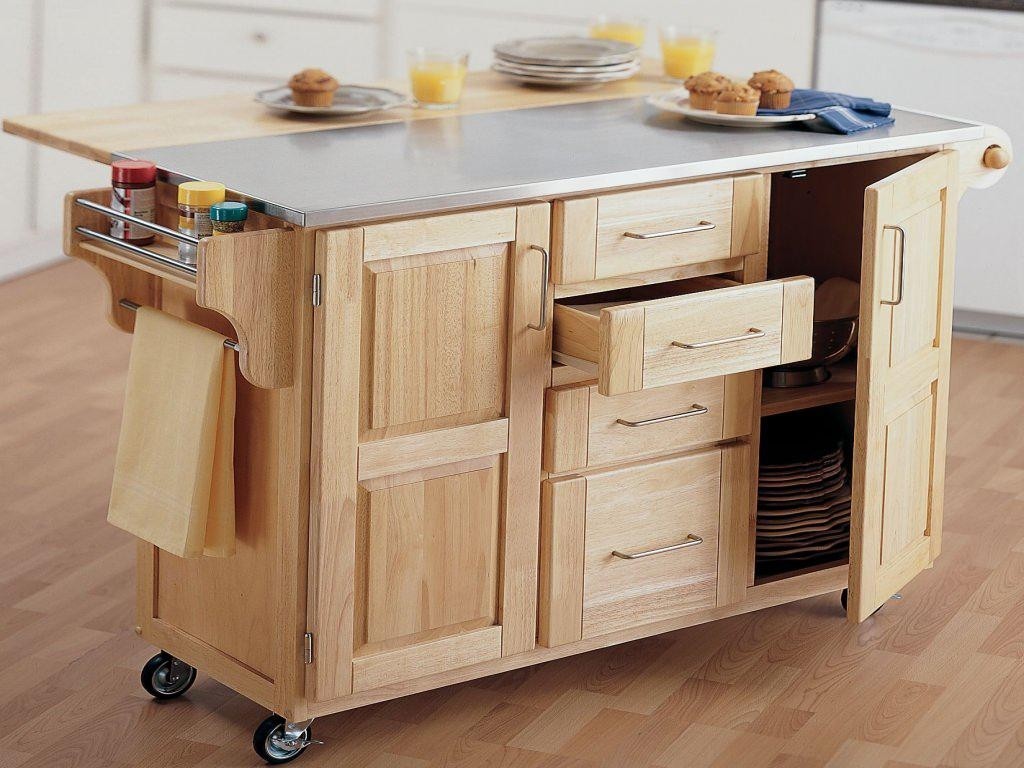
{"points": [[713, 98], [316, 92]]}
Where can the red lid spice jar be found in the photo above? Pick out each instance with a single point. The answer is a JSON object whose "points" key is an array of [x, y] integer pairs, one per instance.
{"points": [[133, 191]]}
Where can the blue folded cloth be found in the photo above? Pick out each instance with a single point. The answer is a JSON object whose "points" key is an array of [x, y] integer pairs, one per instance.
{"points": [[836, 112]]}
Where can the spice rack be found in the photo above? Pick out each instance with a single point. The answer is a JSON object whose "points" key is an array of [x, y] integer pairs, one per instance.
{"points": [[246, 278]]}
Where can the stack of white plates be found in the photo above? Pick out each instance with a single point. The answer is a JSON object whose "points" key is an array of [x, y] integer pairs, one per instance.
{"points": [[566, 61], [803, 504]]}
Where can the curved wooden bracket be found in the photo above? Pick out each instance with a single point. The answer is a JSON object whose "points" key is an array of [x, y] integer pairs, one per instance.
{"points": [[249, 278]]}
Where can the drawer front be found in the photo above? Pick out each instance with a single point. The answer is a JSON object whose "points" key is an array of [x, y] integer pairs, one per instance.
{"points": [[667, 230], [586, 429], [651, 542], [692, 336], [262, 45]]}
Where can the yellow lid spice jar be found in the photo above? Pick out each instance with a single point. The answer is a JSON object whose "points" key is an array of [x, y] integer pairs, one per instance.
{"points": [[194, 201]]}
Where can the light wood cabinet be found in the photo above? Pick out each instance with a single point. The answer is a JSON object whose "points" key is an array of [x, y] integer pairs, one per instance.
{"points": [[426, 446]]}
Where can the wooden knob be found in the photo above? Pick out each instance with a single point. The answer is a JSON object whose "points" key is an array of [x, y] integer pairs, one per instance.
{"points": [[995, 157]]}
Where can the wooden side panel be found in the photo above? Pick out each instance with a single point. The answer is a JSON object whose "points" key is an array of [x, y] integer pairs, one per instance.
{"points": [[246, 278], [334, 486], [566, 428], [734, 522], [431, 554], [436, 336], [529, 371], [621, 354], [903, 378], [563, 529], [749, 214]]}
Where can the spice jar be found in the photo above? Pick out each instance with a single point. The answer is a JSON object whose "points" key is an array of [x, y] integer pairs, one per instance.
{"points": [[228, 217], [194, 201], [133, 191]]}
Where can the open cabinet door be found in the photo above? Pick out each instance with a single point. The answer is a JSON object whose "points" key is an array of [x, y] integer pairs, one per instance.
{"points": [[903, 379]]}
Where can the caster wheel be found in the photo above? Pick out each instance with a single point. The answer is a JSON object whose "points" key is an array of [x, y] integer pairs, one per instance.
{"points": [[275, 746], [165, 677]]}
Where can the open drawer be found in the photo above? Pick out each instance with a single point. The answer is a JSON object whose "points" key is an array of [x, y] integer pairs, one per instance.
{"points": [[693, 329], [248, 278]]}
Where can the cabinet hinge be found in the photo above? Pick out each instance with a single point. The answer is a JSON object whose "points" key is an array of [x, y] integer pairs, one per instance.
{"points": [[316, 290], [307, 648]]}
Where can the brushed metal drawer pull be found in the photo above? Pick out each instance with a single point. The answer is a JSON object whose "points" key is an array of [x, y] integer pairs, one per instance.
{"points": [[899, 286], [753, 333], [542, 323], [695, 410], [704, 226], [692, 540]]}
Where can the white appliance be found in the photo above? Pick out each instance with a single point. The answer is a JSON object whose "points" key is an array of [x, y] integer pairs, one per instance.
{"points": [[957, 61]]}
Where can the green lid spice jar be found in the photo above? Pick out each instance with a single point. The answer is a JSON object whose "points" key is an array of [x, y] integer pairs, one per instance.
{"points": [[228, 217], [194, 201]]}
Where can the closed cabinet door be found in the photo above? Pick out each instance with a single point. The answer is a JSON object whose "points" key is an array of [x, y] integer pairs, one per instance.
{"points": [[903, 378], [432, 354]]}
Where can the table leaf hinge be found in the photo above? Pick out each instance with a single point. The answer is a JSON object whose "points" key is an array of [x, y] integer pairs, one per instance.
{"points": [[316, 289], [307, 648]]}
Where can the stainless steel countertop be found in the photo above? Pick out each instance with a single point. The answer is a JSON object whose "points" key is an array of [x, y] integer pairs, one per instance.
{"points": [[347, 175]]}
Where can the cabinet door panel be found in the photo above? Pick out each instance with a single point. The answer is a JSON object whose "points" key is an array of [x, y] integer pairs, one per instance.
{"points": [[438, 337], [431, 554], [903, 379]]}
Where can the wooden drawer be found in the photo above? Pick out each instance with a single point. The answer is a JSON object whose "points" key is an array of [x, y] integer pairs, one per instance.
{"points": [[687, 330], [630, 546], [583, 428], [713, 222]]}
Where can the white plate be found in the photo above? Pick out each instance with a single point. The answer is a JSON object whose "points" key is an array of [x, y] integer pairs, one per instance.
{"points": [[679, 104], [565, 80], [348, 100], [547, 69], [566, 51]]}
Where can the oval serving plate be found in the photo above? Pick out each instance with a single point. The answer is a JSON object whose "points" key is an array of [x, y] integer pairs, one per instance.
{"points": [[348, 100], [679, 104]]}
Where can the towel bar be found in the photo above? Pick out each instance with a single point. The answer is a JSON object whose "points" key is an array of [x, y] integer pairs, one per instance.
{"points": [[229, 343]]}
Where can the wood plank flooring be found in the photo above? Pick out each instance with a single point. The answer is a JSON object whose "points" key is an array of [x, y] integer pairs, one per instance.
{"points": [[935, 679]]}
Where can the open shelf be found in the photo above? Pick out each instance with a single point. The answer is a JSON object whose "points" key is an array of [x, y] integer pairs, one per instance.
{"points": [[841, 388], [824, 565]]}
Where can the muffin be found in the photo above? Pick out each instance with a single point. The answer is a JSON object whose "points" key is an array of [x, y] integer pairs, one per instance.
{"points": [[313, 88], [737, 99], [704, 87], [775, 88]]}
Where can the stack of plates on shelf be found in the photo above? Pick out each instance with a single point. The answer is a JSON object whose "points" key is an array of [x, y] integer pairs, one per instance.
{"points": [[566, 61], [803, 505]]}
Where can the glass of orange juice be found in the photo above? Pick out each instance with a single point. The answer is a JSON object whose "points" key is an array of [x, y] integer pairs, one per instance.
{"points": [[437, 76], [627, 30], [687, 51]]}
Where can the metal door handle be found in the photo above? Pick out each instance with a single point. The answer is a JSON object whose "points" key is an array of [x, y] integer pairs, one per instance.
{"points": [[899, 285], [691, 540], [695, 410], [546, 278], [702, 227], [753, 333]]}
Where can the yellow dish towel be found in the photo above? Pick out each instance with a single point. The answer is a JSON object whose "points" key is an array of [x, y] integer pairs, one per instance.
{"points": [[174, 480]]}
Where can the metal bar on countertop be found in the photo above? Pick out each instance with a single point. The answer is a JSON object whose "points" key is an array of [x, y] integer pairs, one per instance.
{"points": [[128, 304]]}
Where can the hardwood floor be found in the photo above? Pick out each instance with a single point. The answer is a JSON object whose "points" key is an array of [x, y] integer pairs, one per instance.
{"points": [[935, 679]]}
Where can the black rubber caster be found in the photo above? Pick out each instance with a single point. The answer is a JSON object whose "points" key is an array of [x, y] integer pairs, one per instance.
{"points": [[275, 746], [165, 677]]}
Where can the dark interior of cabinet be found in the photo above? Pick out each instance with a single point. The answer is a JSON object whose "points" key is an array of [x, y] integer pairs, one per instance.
{"points": [[817, 229]]}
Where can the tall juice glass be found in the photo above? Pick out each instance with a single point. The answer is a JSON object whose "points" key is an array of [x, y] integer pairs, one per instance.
{"points": [[687, 51], [626, 30], [437, 77]]}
